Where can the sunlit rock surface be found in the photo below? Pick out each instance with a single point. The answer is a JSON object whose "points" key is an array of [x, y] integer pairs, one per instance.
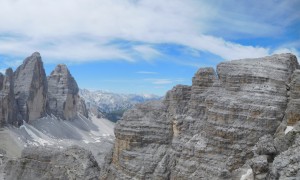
{"points": [[63, 99], [30, 88], [207, 130]]}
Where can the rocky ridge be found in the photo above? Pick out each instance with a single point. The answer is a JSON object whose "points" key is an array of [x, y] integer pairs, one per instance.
{"points": [[209, 130]]}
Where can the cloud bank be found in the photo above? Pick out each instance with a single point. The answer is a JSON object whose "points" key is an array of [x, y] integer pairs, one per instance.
{"points": [[79, 31]]}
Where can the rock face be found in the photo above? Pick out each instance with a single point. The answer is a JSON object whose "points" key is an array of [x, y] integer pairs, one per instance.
{"points": [[49, 163], [8, 107], [30, 88], [292, 111], [208, 130], [63, 99], [25, 95]]}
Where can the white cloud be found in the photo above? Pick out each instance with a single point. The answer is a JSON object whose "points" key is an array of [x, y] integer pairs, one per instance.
{"points": [[84, 30], [147, 52]]}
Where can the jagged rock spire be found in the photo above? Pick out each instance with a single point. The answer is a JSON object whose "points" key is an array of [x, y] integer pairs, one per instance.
{"points": [[30, 88], [63, 99]]}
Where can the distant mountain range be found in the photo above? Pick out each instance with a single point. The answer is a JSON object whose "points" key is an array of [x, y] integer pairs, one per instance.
{"points": [[112, 105]]}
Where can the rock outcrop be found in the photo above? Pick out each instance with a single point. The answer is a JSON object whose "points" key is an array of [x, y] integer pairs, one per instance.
{"points": [[25, 95], [30, 88], [63, 99], [50, 163], [208, 130], [8, 107]]}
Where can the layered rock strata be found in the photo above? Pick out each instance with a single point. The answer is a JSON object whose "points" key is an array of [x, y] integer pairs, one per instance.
{"points": [[63, 99], [207, 130], [8, 107], [49, 163], [30, 88], [24, 94]]}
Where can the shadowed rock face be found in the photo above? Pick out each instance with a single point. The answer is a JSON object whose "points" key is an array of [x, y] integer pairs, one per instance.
{"points": [[8, 107], [63, 99], [30, 88], [208, 130]]}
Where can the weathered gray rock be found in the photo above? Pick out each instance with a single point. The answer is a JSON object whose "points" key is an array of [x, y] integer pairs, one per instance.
{"points": [[266, 146], [30, 88], [287, 164], [142, 137], [260, 167], [63, 99], [292, 111], [81, 108], [208, 130], [8, 107], [50, 163]]}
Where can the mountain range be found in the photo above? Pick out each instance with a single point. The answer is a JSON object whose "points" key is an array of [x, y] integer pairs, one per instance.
{"points": [[112, 105]]}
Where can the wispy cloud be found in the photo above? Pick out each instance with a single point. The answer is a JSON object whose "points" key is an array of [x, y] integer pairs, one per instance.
{"points": [[86, 30], [147, 52]]}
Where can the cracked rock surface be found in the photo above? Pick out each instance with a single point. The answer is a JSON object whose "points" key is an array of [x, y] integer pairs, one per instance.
{"points": [[208, 130]]}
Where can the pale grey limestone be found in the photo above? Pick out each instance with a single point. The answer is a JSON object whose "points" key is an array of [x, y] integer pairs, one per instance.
{"points": [[30, 88], [207, 130], [63, 99], [8, 107], [50, 163]]}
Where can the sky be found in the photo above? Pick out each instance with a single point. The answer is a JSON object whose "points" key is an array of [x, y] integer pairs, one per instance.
{"points": [[144, 46]]}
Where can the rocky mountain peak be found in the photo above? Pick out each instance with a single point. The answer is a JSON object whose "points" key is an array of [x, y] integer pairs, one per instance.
{"points": [[30, 88], [25, 95], [61, 69], [63, 99]]}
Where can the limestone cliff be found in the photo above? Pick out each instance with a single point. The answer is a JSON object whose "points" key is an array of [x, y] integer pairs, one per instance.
{"points": [[25, 95], [208, 130], [63, 99], [8, 107], [30, 88]]}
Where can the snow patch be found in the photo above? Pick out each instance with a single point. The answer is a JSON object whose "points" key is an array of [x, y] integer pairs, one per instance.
{"points": [[36, 139], [288, 129]]}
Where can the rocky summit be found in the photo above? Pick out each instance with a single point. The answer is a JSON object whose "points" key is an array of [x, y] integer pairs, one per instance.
{"points": [[63, 99], [30, 88], [210, 130]]}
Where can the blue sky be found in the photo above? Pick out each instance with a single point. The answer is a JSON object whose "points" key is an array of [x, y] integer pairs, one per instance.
{"points": [[144, 46]]}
